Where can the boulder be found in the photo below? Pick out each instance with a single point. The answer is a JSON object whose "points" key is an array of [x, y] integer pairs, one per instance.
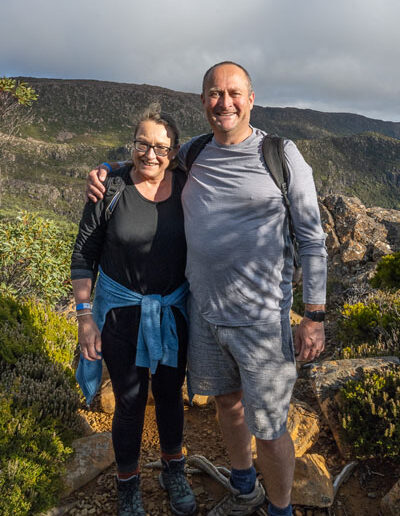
{"points": [[312, 484], [390, 503], [106, 397], [93, 454], [303, 426]]}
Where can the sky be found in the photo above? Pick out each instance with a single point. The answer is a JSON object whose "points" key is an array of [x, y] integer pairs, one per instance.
{"points": [[328, 55]]}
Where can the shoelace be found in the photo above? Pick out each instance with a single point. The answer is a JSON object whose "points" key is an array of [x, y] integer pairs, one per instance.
{"points": [[131, 499], [178, 484]]}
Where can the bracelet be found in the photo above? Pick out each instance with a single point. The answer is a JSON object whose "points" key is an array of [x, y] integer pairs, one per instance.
{"points": [[86, 313], [107, 166], [83, 306]]}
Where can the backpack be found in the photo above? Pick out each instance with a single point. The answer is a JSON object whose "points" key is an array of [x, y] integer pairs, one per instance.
{"points": [[115, 184], [272, 148]]}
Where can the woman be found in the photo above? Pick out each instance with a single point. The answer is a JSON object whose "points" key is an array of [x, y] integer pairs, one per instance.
{"points": [[138, 320]]}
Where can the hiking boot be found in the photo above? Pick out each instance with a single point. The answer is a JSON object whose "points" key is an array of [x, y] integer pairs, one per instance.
{"points": [[130, 498], [173, 480], [240, 505]]}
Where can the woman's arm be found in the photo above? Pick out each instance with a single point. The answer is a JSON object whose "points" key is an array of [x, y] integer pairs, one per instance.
{"points": [[89, 337]]}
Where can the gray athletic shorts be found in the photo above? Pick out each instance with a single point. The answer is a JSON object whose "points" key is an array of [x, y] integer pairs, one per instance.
{"points": [[258, 359]]}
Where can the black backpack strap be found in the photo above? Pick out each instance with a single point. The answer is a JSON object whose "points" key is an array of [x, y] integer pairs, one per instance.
{"points": [[115, 185], [196, 147], [272, 148]]}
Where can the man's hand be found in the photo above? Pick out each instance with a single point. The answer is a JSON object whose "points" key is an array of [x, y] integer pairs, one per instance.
{"points": [[309, 341], [94, 184], [89, 338]]}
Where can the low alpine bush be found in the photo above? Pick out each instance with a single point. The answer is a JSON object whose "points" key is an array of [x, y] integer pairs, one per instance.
{"points": [[35, 257], [387, 275], [370, 414]]}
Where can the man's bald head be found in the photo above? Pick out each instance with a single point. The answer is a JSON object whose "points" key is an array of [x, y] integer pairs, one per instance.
{"points": [[210, 71]]}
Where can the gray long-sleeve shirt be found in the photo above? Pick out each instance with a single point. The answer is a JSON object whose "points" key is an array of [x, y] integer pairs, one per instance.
{"points": [[239, 253]]}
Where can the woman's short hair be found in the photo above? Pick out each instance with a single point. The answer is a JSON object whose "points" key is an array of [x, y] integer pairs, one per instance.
{"points": [[153, 112]]}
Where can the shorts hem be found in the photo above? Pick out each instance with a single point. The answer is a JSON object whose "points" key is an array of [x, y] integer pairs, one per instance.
{"points": [[267, 435]]}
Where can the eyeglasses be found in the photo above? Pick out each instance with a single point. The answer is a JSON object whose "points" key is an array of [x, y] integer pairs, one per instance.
{"points": [[159, 150]]}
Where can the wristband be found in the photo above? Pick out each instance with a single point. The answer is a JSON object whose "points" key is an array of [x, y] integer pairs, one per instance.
{"points": [[107, 166], [83, 306], [316, 315], [86, 313]]}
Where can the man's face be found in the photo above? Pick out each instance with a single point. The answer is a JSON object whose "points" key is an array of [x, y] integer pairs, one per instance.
{"points": [[227, 102]]}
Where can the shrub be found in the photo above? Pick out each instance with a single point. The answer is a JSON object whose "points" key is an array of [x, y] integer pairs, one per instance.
{"points": [[31, 461], [371, 327], [387, 273], [37, 383], [29, 327], [370, 410], [35, 258]]}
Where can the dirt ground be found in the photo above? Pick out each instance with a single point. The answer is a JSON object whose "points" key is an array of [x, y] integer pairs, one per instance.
{"points": [[360, 495]]}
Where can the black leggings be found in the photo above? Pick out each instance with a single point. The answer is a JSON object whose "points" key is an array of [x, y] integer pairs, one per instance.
{"points": [[130, 386]]}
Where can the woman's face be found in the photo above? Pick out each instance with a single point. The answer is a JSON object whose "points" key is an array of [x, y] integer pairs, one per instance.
{"points": [[147, 163]]}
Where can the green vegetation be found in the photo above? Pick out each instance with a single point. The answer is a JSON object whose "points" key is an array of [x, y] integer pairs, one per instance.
{"points": [[371, 328], [370, 414], [35, 258], [18, 90], [387, 274], [32, 454], [38, 403], [31, 327]]}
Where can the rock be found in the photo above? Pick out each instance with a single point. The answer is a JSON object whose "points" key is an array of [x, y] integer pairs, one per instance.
{"points": [[295, 318], [329, 377], [357, 236], [391, 220], [93, 454], [303, 426], [198, 399], [106, 398], [390, 503], [312, 485]]}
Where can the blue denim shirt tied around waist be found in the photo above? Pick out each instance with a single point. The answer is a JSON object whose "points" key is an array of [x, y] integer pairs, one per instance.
{"points": [[157, 341]]}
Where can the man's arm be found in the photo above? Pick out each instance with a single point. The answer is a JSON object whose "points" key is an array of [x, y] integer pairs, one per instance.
{"points": [[310, 335], [94, 183]]}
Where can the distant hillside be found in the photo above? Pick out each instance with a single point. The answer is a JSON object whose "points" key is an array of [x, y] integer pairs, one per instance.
{"points": [[79, 106], [80, 122]]}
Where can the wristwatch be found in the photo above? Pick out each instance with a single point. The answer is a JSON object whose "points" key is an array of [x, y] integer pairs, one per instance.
{"points": [[316, 316]]}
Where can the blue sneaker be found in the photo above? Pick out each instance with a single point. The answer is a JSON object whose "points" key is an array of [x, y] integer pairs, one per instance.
{"points": [[173, 480]]}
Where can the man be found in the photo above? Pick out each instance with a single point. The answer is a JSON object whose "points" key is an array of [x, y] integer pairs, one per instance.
{"points": [[240, 268]]}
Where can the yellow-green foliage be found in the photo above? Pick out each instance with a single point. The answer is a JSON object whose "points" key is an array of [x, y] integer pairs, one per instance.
{"points": [[26, 326], [371, 328], [32, 455], [18, 90], [36, 382], [371, 414], [35, 258], [387, 273]]}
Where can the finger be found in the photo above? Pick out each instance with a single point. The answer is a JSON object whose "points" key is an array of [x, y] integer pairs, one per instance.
{"points": [[97, 345], [85, 354], [94, 193], [102, 174]]}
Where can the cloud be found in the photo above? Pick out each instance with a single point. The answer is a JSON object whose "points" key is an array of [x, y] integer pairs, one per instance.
{"points": [[333, 56]]}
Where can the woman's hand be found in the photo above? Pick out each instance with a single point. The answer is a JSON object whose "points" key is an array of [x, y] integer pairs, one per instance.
{"points": [[89, 338]]}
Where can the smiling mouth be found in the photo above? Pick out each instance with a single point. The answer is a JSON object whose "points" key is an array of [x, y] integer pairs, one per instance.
{"points": [[149, 163]]}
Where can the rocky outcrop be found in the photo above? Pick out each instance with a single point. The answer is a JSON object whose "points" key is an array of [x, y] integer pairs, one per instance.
{"points": [[329, 377]]}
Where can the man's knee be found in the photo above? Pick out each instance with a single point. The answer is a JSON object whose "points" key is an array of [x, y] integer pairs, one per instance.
{"points": [[229, 403], [284, 441]]}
